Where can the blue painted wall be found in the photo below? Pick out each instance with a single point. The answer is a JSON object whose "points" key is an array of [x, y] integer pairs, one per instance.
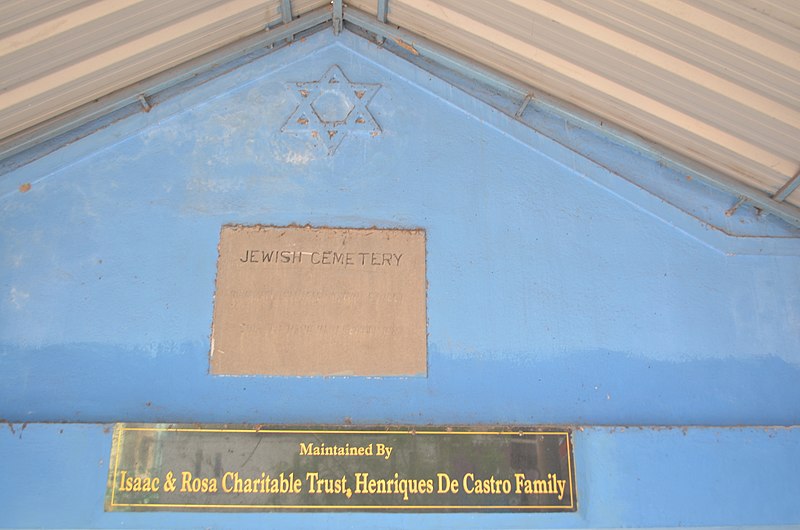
{"points": [[559, 291]]}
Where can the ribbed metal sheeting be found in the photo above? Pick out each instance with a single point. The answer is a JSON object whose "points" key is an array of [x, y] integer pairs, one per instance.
{"points": [[715, 80], [56, 55]]}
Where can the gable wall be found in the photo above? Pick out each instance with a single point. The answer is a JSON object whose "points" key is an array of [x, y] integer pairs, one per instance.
{"points": [[551, 298]]}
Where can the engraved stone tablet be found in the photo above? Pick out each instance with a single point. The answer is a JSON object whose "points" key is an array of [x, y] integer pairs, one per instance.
{"points": [[319, 301]]}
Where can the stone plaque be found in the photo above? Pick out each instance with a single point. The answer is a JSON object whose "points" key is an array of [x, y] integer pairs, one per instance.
{"points": [[259, 468], [307, 301]]}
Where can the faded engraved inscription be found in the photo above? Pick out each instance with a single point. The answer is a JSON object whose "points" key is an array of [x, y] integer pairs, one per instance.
{"points": [[319, 301]]}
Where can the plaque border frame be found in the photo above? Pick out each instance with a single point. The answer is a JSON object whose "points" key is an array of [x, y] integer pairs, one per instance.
{"points": [[120, 428]]}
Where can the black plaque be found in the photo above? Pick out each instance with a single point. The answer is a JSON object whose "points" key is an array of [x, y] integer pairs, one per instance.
{"points": [[255, 468]]}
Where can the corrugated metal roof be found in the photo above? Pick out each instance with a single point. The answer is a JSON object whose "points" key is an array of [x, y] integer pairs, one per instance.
{"points": [[58, 55], [717, 81]]}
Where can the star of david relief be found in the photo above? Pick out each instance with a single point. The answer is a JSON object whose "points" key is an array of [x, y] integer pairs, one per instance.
{"points": [[332, 108]]}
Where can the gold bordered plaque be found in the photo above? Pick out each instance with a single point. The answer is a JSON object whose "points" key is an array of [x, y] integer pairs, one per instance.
{"points": [[159, 467], [305, 301]]}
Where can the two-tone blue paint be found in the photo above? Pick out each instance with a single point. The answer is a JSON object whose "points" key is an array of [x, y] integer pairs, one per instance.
{"points": [[561, 291]]}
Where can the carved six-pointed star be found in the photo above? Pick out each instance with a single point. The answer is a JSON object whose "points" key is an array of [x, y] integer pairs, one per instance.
{"points": [[332, 107]]}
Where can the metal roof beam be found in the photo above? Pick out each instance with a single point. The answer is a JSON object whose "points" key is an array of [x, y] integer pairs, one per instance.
{"points": [[787, 188], [338, 16], [286, 11], [383, 10]]}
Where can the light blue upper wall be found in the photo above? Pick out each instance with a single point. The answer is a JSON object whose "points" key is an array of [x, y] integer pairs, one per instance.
{"points": [[558, 291]]}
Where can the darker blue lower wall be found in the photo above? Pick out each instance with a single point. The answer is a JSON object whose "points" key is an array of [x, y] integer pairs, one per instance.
{"points": [[100, 383]]}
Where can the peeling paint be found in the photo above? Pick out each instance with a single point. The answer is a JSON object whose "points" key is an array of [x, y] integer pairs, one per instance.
{"points": [[18, 298], [406, 46], [296, 158]]}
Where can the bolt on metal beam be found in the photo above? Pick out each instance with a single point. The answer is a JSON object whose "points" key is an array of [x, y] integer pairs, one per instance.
{"points": [[732, 210], [523, 105], [144, 102]]}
